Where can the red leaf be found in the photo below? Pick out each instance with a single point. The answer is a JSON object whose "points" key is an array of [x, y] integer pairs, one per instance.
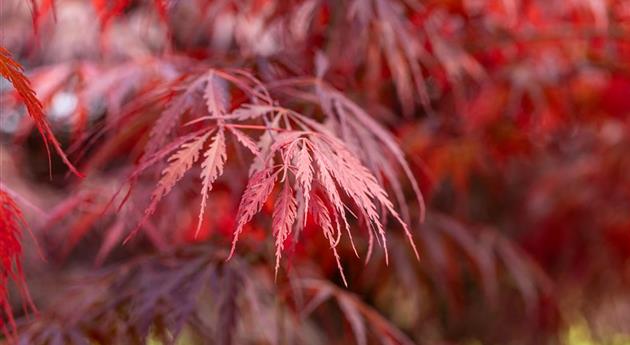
{"points": [[12, 71], [10, 264]]}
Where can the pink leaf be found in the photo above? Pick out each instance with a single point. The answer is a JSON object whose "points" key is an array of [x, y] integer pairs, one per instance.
{"points": [[321, 215], [304, 174], [283, 218], [216, 95], [245, 140], [211, 168], [179, 163], [256, 193], [166, 122]]}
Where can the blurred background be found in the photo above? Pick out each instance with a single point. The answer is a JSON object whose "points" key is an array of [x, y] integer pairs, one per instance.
{"points": [[514, 116]]}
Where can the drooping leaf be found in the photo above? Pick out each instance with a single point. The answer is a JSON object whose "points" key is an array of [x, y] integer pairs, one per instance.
{"points": [[12, 71], [328, 184], [11, 221], [283, 218], [304, 174], [321, 216]]}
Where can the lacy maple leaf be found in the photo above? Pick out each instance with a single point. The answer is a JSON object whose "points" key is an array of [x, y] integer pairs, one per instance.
{"points": [[309, 159]]}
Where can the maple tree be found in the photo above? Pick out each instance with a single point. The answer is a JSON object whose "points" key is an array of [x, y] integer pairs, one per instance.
{"points": [[314, 171]]}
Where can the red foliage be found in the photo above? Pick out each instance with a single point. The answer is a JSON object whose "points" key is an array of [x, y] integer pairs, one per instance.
{"points": [[11, 221], [324, 125], [12, 71]]}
